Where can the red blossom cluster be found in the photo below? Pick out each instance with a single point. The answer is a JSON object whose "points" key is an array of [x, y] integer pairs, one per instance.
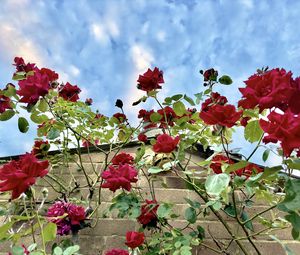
{"points": [[74, 215], [38, 82], [148, 216], [216, 111], [165, 143], [122, 158], [19, 175], [5, 103], [279, 92], [40, 147], [218, 160], [150, 80]]}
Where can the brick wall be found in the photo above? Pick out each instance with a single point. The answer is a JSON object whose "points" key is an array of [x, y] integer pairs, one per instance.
{"points": [[110, 232]]}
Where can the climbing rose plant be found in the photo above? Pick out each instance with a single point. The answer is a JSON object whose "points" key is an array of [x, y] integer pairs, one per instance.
{"points": [[268, 113]]}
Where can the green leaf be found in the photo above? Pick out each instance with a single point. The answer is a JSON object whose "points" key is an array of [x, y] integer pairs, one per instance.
{"points": [[225, 80], [230, 211], [189, 100], [8, 114], [176, 97], [155, 170], [23, 125], [236, 166], [155, 117], [57, 251], [216, 183], [17, 250], [71, 250], [265, 155], [53, 133], [38, 119], [291, 201], [253, 131], [9, 91], [198, 97], [164, 210], [244, 218], [49, 232], [139, 153], [179, 108], [192, 203], [190, 215], [19, 76], [294, 219], [42, 105]]}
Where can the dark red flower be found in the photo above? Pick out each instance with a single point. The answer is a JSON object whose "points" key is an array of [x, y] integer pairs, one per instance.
{"points": [[120, 117], [116, 252], [70, 92], [52, 76], [122, 158], [249, 170], [148, 215], [19, 175], [40, 147], [244, 121], [5, 103], [224, 115], [284, 128], [86, 143], [142, 138], [145, 115], [267, 90], [217, 161], [74, 216], [165, 143], [210, 74], [167, 117], [22, 67], [134, 239], [215, 98], [119, 177], [150, 80], [294, 102], [88, 101], [33, 87]]}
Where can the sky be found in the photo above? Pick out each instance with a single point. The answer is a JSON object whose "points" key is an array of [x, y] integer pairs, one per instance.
{"points": [[102, 46]]}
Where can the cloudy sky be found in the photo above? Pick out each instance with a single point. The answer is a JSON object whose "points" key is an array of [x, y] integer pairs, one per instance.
{"points": [[102, 46]]}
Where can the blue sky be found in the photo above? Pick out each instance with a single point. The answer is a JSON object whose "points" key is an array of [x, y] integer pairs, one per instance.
{"points": [[102, 46]]}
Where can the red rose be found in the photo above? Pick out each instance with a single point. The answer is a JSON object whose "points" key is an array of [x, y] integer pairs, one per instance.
{"points": [[150, 80], [294, 102], [88, 101], [142, 138], [224, 115], [34, 87], [122, 158], [250, 170], [19, 175], [120, 117], [244, 121], [165, 143], [145, 115], [70, 92], [210, 74], [116, 252], [119, 177], [134, 239], [284, 128], [22, 67], [217, 161], [215, 98], [5, 103], [148, 213], [168, 116], [52, 76], [40, 147], [86, 143], [267, 90], [76, 214]]}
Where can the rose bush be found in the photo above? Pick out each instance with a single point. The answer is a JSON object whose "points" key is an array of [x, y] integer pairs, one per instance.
{"points": [[267, 113]]}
